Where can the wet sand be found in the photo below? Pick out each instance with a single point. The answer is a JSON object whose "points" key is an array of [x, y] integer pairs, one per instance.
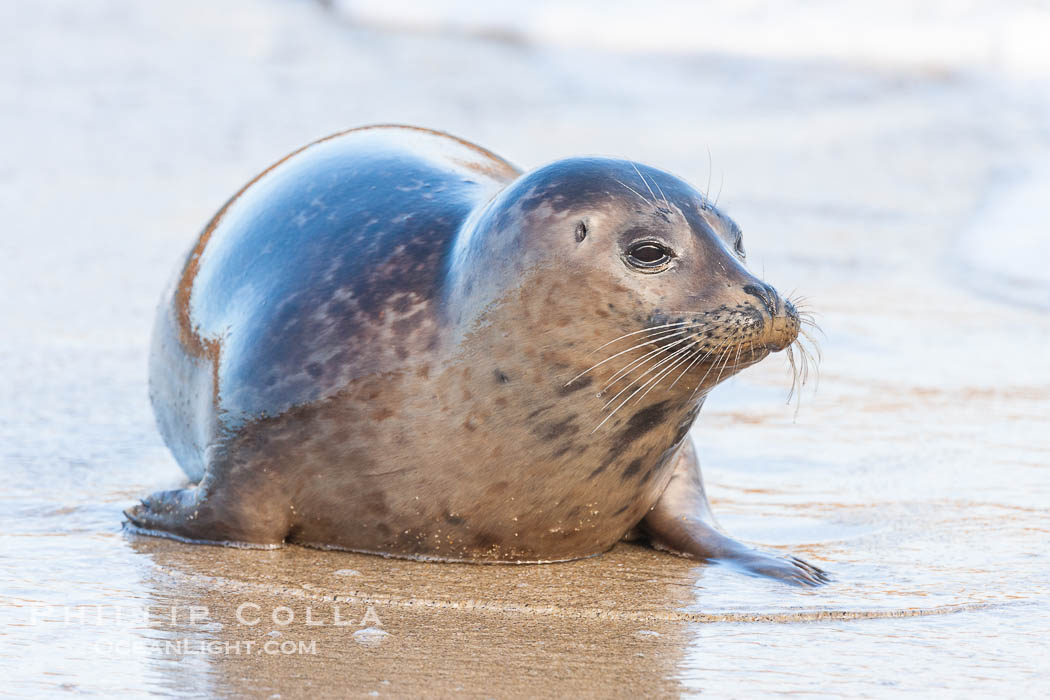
{"points": [[891, 196]]}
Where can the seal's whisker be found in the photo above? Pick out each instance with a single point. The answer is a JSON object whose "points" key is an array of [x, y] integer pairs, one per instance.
{"points": [[620, 405], [640, 196], [804, 356], [653, 367], [651, 341], [663, 374], [814, 361], [710, 167], [725, 363], [812, 341], [624, 402], [732, 340], [815, 328], [624, 371], [697, 357], [683, 360], [651, 329], [662, 195], [722, 181], [721, 345], [803, 377], [714, 363], [794, 372], [632, 366], [808, 318], [808, 356], [644, 181]]}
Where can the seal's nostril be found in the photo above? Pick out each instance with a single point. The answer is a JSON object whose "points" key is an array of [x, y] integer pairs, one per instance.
{"points": [[774, 298], [766, 294]]}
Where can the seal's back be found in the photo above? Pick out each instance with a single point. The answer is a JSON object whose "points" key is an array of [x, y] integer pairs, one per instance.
{"points": [[342, 234]]}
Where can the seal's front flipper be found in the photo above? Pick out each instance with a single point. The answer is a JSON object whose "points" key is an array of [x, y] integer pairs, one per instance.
{"points": [[681, 522], [197, 514]]}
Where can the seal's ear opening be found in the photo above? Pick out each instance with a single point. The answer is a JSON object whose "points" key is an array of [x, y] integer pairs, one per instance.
{"points": [[581, 232]]}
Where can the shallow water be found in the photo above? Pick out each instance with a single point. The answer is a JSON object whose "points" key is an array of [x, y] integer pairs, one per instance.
{"points": [[895, 197]]}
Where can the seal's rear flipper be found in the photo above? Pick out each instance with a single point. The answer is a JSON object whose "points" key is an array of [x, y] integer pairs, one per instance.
{"points": [[681, 522], [196, 514]]}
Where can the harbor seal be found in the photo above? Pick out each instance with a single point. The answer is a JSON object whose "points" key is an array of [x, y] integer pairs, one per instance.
{"points": [[393, 341]]}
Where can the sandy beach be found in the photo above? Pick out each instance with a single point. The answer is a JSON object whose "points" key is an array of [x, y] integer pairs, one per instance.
{"points": [[902, 188]]}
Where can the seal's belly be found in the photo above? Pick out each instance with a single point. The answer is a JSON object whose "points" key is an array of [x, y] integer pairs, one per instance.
{"points": [[403, 466]]}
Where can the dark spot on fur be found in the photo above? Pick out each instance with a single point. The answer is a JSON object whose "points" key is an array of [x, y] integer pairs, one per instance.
{"points": [[575, 385], [486, 540], [453, 519], [501, 377], [563, 449], [382, 414], [632, 469], [538, 411], [621, 510], [314, 370], [496, 490], [573, 512], [645, 477], [597, 471], [645, 420], [376, 503], [640, 423], [552, 430]]}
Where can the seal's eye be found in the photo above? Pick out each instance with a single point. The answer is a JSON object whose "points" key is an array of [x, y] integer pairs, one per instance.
{"points": [[740, 247], [649, 255]]}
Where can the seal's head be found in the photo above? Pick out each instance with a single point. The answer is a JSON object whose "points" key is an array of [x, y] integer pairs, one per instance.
{"points": [[621, 258]]}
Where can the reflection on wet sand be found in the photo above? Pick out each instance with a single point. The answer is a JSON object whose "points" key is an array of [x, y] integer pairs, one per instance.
{"points": [[299, 621]]}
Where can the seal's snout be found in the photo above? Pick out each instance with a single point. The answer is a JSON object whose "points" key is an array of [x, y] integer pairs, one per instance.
{"points": [[781, 318], [767, 295]]}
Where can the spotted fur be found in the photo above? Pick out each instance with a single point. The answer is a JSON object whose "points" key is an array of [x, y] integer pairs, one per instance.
{"points": [[383, 344]]}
